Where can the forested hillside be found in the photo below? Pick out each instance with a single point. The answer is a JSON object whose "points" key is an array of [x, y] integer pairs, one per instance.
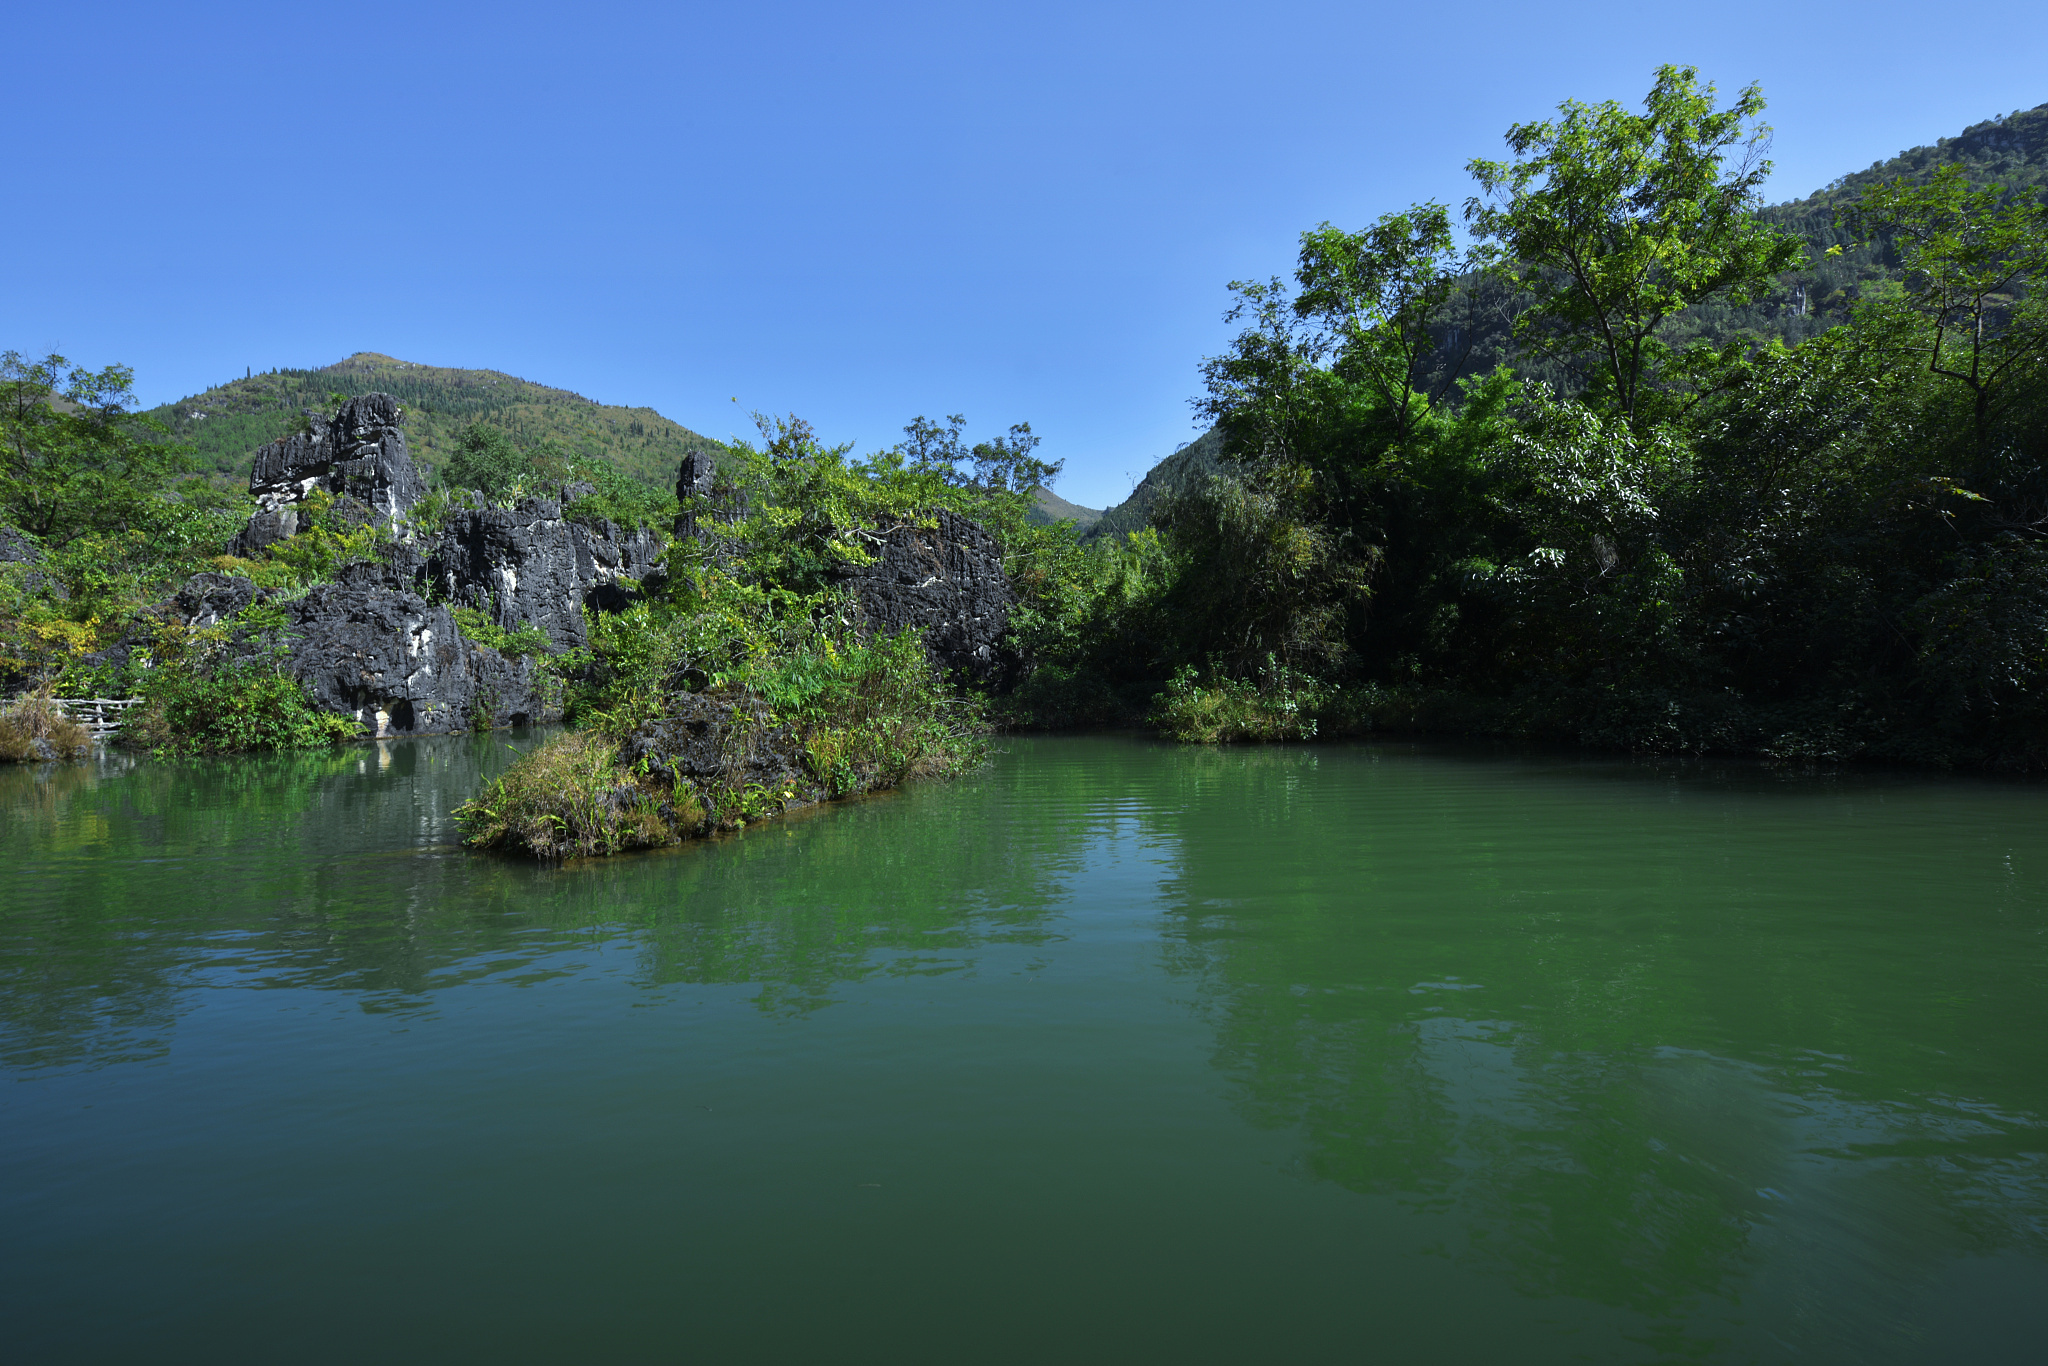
{"points": [[1839, 267], [1842, 260], [229, 421], [2010, 151], [1185, 468]]}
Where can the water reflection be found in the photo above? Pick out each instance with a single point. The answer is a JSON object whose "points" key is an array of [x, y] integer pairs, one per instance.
{"points": [[133, 887], [1708, 1048], [1758, 1061]]}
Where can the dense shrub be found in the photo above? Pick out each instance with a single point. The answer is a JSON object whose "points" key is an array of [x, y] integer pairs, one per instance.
{"points": [[837, 717], [225, 708], [1278, 705], [570, 798]]}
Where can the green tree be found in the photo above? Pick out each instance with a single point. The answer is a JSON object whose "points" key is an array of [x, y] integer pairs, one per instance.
{"points": [[1380, 294], [1003, 464], [486, 460], [1613, 222], [1974, 259], [75, 460]]}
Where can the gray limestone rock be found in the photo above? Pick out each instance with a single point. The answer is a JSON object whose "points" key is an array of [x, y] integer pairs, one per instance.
{"points": [[17, 548], [703, 499], [360, 453], [528, 566], [947, 581], [399, 665], [209, 599]]}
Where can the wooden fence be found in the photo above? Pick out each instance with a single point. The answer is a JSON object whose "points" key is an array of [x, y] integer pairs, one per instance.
{"points": [[101, 716]]}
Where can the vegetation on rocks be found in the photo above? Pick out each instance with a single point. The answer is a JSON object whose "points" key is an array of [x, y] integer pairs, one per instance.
{"points": [[1597, 465], [745, 684]]}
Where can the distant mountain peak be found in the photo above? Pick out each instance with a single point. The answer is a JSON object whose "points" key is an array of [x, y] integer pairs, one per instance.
{"points": [[229, 421]]}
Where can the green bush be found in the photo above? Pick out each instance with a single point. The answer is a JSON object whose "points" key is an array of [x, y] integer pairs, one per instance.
{"points": [[476, 625], [229, 708], [619, 498], [1279, 705], [871, 715]]}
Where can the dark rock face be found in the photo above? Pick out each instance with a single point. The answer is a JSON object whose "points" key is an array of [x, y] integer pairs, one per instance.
{"points": [[17, 548], [360, 453], [526, 565], [703, 500], [397, 663], [208, 599], [948, 582], [722, 742], [266, 528], [367, 646]]}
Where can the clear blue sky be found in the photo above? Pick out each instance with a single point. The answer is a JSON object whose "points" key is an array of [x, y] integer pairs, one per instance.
{"points": [[857, 213]]}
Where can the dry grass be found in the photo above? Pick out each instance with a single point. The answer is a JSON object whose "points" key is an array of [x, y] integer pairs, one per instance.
{"points": [[33, 730]]}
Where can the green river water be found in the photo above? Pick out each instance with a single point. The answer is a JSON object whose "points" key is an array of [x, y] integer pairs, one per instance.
{"points": [[1112, 1051]]}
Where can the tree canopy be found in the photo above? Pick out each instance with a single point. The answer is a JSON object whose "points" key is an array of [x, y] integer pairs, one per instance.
{"points": [[75, 459]]}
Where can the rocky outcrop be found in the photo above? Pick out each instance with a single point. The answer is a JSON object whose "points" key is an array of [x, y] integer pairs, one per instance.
{"points": [[527, 565], [947, 581], [721, 742], [209, 599], [372, 649], [704, 500], [381, 642], [17, 548], [359, 453]]}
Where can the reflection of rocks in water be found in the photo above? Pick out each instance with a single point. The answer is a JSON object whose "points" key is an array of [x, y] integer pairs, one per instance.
{"points": [[356, 884]]}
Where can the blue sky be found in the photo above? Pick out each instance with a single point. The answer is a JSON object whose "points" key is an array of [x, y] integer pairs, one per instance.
{"points": [[856, 213]]}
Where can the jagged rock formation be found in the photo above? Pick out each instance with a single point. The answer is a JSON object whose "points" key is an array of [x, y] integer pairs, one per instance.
{"points": [[370, 647], [209, 599], [381, 642], [367, 646], [947, 581], [527, 566], [704, 501], [359, 455]]}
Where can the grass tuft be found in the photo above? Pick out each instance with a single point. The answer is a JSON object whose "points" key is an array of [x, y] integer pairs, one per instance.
{"points": [[569, 798], [33, 729]]}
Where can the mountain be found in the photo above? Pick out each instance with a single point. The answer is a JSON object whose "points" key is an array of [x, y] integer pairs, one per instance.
{"points": [[2011, 150], [229, 421], [1197, 460], [1048, 507]]}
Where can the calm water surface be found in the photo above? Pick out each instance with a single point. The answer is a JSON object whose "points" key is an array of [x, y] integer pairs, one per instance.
{"points": [[1111, 1052]]}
